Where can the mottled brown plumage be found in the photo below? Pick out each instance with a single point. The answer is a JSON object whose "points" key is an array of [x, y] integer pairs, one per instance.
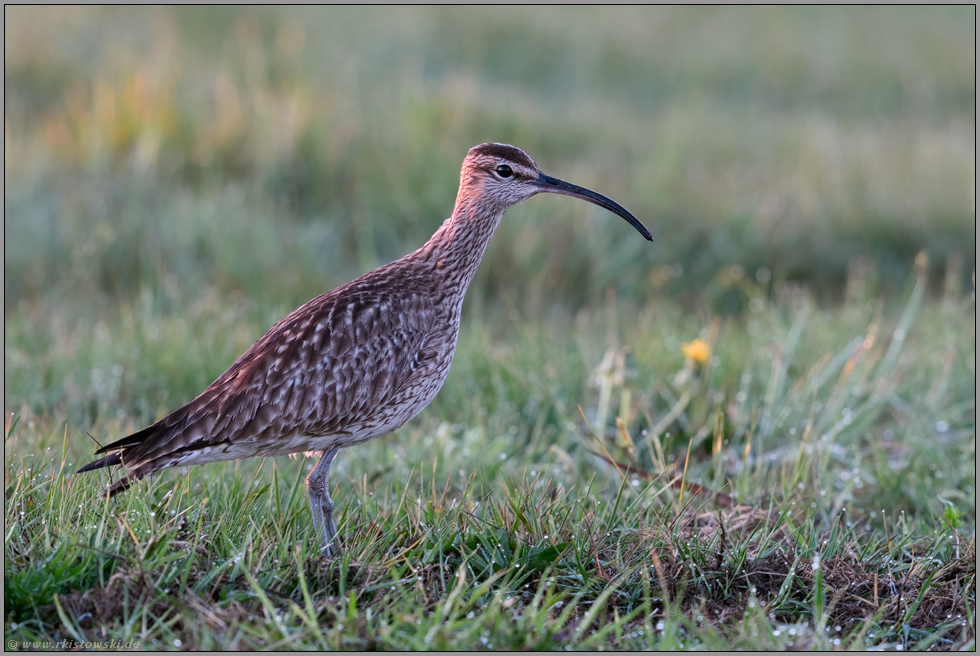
{"points": [[356, 362]]}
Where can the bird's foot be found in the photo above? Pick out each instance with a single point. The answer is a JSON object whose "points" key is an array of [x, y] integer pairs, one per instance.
{"points": [[331, 550]]}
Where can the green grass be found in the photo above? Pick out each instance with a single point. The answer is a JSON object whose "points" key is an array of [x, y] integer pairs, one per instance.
{"points": [[488, 520], [178, 180]]}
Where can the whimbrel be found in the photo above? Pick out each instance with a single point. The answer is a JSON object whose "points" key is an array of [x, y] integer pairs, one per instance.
{"points": [[356, 362]]}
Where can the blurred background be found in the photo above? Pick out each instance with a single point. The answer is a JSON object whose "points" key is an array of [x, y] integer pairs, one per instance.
{"points": [[189, 162]]}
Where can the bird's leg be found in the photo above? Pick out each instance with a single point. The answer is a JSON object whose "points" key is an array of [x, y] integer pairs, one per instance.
{"points": [[322, 506]]}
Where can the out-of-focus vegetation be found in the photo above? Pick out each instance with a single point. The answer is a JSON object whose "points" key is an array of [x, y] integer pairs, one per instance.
{"points": [[757, 432], [280, 152]]}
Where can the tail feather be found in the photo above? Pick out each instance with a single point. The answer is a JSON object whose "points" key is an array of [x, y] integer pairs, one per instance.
{"points": [[130, 440], [121, 485], [143, 452], [120, 447], [108, 461]]}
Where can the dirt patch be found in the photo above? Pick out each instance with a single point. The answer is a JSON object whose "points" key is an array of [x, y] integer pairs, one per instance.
{"points": [[127, 591]]}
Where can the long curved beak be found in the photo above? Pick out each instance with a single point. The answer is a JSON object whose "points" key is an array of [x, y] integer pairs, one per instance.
{"points": [[551, 185]]}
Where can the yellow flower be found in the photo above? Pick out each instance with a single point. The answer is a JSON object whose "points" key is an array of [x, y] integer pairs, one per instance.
{"points": [[697, 350]]}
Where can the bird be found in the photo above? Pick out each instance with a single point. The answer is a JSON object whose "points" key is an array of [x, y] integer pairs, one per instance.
{"points": [[356, 362]]}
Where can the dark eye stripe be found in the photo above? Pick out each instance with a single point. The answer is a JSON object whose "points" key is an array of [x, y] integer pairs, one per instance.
{"points": [[504, 171]]}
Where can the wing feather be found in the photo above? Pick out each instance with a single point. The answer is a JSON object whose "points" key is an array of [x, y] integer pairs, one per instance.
{"points": [[321, 370]]}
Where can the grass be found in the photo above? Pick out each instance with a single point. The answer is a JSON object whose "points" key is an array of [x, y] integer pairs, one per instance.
{"points": [[176, 180], [811, 489]]}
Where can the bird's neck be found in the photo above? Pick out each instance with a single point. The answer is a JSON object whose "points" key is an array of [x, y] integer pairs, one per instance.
{"points": [[457, 247]]}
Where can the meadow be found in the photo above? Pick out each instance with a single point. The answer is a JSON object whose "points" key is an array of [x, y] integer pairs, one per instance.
{"points": [[758, 432]]}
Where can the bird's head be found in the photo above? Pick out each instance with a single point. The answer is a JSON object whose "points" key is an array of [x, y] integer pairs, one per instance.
{"points": [[503, 175]]}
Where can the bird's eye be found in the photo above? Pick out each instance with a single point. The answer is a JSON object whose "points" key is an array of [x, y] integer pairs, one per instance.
{"points": [[504, 171]]}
